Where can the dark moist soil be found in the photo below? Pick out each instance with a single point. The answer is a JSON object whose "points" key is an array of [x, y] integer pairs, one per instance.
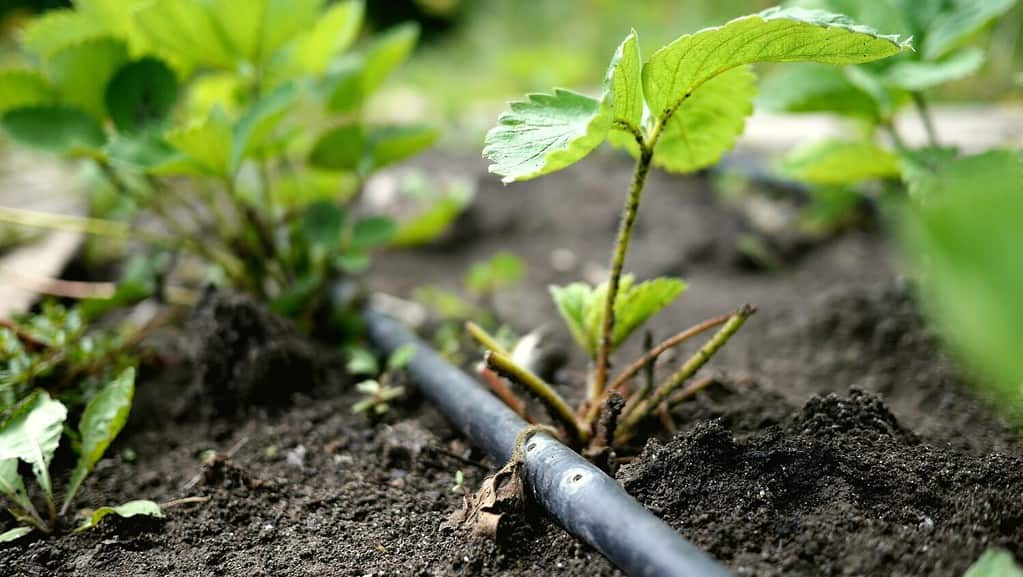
{"points": [[842, 442]]}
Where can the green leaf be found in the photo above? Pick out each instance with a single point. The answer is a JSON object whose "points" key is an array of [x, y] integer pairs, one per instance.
{"points": [[323, 223], [546, 133], [56, 129], [21, 87], [935, 174], [103, 419], [362, 361], [388, 52], [839, 162], [918, 75], [14, 534], [962, 233], [298, 296], [573, 302], [333, 33], [207, 143], [141, 94], [708, 123], [502, 270], [129, 509], [995, 563], [341, 148], [625, 84], [32, 434], [952, 27], [284, 20], [677, 70], [392, 144], [401, 357], [809, 87], [141, 151], [11, 484], [186, 29], [58, 28], [436, 219], [81, 71], [255, 126], [372, 232]]}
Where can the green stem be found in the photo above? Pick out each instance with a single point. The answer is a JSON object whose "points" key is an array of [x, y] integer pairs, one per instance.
{"points": [[484, 339], [596, 389], [643, 408], [504, 365], [923, 109]]}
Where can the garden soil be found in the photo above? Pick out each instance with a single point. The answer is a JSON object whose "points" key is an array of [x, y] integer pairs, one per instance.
{"points": [[841, 440]]}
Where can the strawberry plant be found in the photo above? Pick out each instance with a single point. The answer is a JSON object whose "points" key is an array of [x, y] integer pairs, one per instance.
{"points": [[680, 110], [378, 391], [871, 94], [32, 433], [241, 133]]}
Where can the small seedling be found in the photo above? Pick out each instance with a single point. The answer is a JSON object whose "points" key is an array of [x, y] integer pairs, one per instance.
{"points": [[459, 486], [31, 434], [995, 563], [378, 392], [681, 110]]}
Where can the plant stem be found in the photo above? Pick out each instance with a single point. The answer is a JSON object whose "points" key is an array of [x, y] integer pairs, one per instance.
{"points": [[643, 408], [503, 365], [922, 108], [596, 390], [482, 337], [65, 222]]}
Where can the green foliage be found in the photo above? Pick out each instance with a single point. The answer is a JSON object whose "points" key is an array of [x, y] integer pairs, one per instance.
{"points": [[840, 162], [503, 270], [995, 563], [142, 93], [129, 509], [442, 206], [55, 128], [581, 306], [377, 392], [31, 434], [697, 94], [962, 234]]}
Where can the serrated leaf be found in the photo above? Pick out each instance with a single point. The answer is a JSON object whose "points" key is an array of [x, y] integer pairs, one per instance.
{"points": [[22, 87], [962, 233], [951, 27], [140, 94], [625, 84], [254, 127], [675, 71], [55, 129], [573, 302], [840, 162], [14, 534], [129, 509], [809, 87], [333, 33], [995, 563], [81, 71], [390, 144], [386, 53], [372, 232], [101, 422], [32, 434], [546, 133], [341, 148], [207, 143], [56, 29], [708, 123], [636, 303], [918, 75]]}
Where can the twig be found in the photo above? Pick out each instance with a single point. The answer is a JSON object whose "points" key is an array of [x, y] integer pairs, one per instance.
{"points": [[58, 287], [505, 394], [643, 408], [690, 390], [503, 365]]}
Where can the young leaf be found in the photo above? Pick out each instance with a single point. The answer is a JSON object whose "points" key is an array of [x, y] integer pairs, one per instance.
{"points": [[142, 93], [143, 150], [546, 133], [186, 29], [340, 148], [81, 72], [259, 120], [129, 509], [838, 162], [103, 419], [361, 361], [32, 434], [625, 84], [392, 144], [372, 232], [207, 143], [333, 33], [429, 225], [58, 28], [11, 484], [14, 534], [995, 563], [574, 302], [56, 129], [951, 27], [389, 50], [677, 70], [22, 87], [401, 357], [917, 75], [503, 269]]}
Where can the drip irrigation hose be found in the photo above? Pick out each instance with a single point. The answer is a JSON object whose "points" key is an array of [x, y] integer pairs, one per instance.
{"points": [[585, 501]]}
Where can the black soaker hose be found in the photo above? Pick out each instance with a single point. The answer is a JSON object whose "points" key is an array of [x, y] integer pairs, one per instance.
{"points": [[585, 501]]}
